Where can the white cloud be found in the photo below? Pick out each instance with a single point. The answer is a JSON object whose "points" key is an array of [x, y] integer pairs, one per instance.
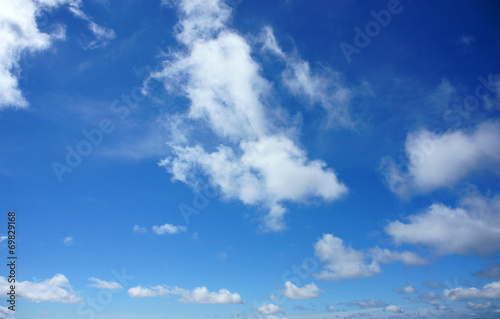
{"points": [[343, 262], [394, 309], [441, 160], [307, 292], [269, 309], [56, 289], [101, 284], [68, 241], [479, 306], [200, 295], [6, 313], [20, 35], [489, 291], [168, 229], [368, 303], [323, 87], [331, 308], [139, 229], [3, 238], [269, 171], [471, 229], [407, 289], [432, 299], [253, 163]]}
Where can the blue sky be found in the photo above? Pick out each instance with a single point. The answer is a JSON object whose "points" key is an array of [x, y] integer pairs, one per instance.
{"points": [[251, 159]]}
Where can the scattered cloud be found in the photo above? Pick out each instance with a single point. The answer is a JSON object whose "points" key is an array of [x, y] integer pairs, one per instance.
{"points": [[2, 238], [473, 229], [407, 289], [269, 309], [102, 35], [255, 162], [331, 308], [430, 298], [139, 230], [490, 272], [441, 160], [433, 285], [489, 291], [101, 284], [343, 262], [479, 306], [394, 309], [57, 289], [168, 229], [307, 292], [199, 295], [368, 303]]}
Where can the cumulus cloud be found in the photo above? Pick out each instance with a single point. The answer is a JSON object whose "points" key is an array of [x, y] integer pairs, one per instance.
{"points": [[168, 229], [344, 262], [489, 291], [200, 295], [101, 284], [473, 229], [307, 292], [56, 289], [394, 309], [407, 289], [253, 161], [490, 272], [20, 35], [269, 309], [441, 160]]}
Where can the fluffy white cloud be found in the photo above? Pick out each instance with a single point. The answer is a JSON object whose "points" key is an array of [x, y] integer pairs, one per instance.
{"points": [[168, 229], [269, 171], [441, 160], [269, 309], [407, 289], [473, 229], [20, 35], [56, 289], [101, 284], [254, 163], [394, 309], [489, 291], [343, 262], [307, 292], [200, 295], [6, 313]]}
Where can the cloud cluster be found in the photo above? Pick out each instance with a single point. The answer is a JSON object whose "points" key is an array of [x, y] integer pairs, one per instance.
{"points": [[489, 291], [56, 289], [253, 163], [200, 295], [473, 229], [344, 262]]}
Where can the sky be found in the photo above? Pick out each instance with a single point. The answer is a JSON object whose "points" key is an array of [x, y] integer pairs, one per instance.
{"points": [[250, 159]]}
